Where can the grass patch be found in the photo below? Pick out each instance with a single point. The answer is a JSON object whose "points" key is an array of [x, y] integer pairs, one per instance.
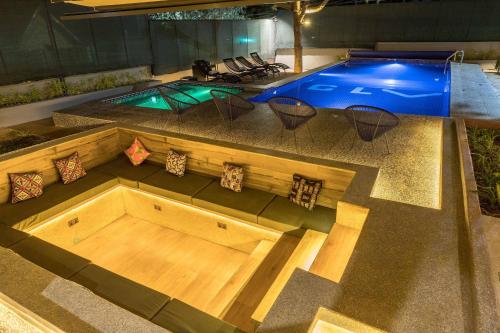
{"points": [[485, 150]]}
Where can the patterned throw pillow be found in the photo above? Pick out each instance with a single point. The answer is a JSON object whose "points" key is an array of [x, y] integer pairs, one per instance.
{"points": [[137, 153], [25, 186], [305, 191], [176, 163], [232, 177], [70, 168]]}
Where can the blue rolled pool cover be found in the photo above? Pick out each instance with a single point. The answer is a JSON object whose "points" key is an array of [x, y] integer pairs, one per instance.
{"points": [[434, 55]]}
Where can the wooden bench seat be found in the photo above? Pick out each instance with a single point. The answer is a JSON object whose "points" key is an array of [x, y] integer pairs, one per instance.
{"points": [[246, 205], [178, 188], [132, 296], [56, 198], [283, 215], [127, 173], [50, 257], [180, 317]]}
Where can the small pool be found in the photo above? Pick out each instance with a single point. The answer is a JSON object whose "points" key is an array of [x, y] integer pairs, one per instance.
{"points": [[420, 87], [152, 99]]}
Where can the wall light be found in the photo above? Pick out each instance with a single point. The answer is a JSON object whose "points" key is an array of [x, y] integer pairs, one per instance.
{"points": [[307, 23]]}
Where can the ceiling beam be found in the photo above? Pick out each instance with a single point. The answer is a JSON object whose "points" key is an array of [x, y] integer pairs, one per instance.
{"points": [[135, 8]]}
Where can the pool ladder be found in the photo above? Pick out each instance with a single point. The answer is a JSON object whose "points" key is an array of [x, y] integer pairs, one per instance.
{"points": [[453, 57]]}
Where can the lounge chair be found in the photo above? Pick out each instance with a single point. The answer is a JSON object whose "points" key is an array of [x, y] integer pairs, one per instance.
{"points": [[293, 113], [371, 122], [207, 70], [229, 105], [233, 67], [259, 61], [248, 65]]}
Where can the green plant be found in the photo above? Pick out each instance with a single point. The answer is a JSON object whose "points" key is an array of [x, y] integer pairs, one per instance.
{"points": [[497, 65], [485, 150]]}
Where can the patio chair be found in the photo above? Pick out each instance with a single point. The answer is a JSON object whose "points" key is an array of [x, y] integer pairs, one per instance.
{"points": [[229, 105], [259, 61], [207, 70], [293, 113], [371, 122], [248, 65], [178, 101], [233, 67]]}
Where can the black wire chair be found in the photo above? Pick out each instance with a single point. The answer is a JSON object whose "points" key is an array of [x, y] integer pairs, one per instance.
{"points": [[371, 122], [259, 61], [179, 102], [293, 113], [248, 65], [229, 105]]}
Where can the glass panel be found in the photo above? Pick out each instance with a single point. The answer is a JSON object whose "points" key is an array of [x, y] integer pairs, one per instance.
{"points": [[25, 46], [240, 39], [253, 28], [137, 40], [224, 39], [109, 43], [206, 40], [74, 41], [164, 41], [186, 39]]}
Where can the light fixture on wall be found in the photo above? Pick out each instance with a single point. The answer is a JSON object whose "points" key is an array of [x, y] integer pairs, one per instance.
{"points": [[307, 22]]}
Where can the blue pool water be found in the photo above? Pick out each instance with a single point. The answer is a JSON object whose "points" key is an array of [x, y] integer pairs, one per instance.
{"points": [[397, 85]]}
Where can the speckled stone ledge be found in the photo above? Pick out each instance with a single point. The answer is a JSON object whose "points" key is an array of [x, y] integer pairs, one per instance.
{"points": [[295, 308]]}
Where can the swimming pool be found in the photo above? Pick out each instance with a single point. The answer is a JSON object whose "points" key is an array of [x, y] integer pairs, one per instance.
{"points": [[152, 99], [420, 87]]}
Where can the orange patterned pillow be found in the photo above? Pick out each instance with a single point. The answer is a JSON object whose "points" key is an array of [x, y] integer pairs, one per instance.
{"points": [[137, 153], [25, 186], [70, 168]]}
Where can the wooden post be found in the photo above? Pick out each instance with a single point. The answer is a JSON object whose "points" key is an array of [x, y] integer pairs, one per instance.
{"points": [[297, 35]]}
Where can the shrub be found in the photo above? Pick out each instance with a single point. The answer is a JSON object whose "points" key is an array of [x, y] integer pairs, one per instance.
{"points": [[485, 151]]}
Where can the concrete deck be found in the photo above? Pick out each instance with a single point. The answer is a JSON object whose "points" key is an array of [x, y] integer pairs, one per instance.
{"points": [[472, 94]]}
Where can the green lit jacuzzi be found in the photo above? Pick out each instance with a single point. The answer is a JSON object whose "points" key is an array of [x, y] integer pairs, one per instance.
{"points": [[151, 98]]}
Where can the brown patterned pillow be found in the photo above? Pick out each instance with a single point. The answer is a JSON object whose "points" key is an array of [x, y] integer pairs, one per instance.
{"points": [[25, 186], [176, 163], [305, 191], [70, 168], [232, 177]]}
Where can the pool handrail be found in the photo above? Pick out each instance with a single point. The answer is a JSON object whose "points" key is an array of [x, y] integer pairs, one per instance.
{"points": [[454, 56]]}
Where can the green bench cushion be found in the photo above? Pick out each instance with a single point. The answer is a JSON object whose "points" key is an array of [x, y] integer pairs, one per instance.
{"points": [[178, 188], [56, 198], [128, 174], [10, 236], [123, 292], [50, 257], [245, 205], [283, 215], [180, 317]]}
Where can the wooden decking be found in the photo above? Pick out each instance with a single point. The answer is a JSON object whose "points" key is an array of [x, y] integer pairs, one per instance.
{"points": [[182, 266]]}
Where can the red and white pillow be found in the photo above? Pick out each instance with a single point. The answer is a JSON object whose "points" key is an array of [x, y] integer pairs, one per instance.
{"points": [[137, 153], [25, 186], [70, 168]]}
